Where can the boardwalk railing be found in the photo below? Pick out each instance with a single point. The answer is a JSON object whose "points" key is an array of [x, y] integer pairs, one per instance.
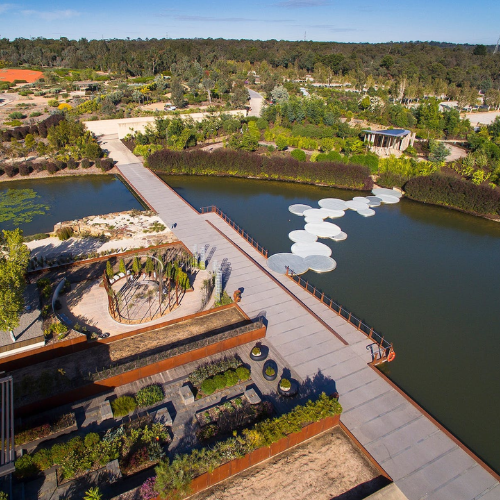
{"points": [[238, 229], [385, 347], [384, 350]]}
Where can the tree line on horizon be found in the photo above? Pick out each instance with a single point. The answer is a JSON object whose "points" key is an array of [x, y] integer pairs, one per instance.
{"points": [[455, 64]]}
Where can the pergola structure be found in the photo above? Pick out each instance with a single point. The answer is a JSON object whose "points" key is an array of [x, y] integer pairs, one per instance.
{"points": [[395, 139]]}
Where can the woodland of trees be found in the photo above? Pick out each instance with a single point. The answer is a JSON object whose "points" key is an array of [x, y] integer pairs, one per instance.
{"points": [[458, 65]]}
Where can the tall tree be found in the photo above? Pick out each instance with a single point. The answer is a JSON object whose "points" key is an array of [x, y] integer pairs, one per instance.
{"points": [[13, 266]]}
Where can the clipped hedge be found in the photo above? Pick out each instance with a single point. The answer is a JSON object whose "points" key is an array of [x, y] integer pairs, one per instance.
{"points": [[242, 164], [123, 406], [455, 193]]}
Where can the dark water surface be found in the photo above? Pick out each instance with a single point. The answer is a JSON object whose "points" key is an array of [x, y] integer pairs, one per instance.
{"points": [[71, 198], [426, 277]]}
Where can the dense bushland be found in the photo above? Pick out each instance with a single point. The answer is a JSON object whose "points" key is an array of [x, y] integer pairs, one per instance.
{"points": [[242, 164]]}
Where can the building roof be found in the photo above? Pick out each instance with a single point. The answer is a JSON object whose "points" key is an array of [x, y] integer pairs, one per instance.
{"points": [[396, 132]]}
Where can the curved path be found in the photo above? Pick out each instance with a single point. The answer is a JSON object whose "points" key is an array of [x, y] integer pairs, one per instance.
{"points": [[420, 456]]}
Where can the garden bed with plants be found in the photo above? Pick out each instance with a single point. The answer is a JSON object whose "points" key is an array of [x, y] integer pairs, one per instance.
{"points": [[34, 431], [136, 445], [218, 375], [229, 416], [177, 475], [55, 376], [144, 398]]}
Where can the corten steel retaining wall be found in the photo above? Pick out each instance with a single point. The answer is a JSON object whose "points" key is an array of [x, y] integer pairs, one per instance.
{"points": [[111, 256], [65, 347], [238, 465], [128, 377]]}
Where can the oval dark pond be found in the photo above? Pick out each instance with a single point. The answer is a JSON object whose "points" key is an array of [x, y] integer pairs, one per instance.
{"points": [[426, 277]]}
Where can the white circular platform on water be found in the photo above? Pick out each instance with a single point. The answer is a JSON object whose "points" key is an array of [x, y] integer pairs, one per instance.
{"points": [[320, 263], [389, 199], [362, 199], [302, 236], [333, 214], [374, 201], [332, 203], [323, 229], [313, 220], [356, 205], [316, 212], [340, 237], [367, 212], [279, 262], [390, 192], [298, 209], [308, 249]]}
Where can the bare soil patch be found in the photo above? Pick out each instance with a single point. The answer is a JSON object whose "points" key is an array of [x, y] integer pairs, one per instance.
{"points": [[327, 467]]}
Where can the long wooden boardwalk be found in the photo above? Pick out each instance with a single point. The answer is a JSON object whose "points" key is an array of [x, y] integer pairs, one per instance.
{"points": [[422, 459]]}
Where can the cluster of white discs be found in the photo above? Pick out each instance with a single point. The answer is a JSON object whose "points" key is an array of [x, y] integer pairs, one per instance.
{"points": [[307, 252]]}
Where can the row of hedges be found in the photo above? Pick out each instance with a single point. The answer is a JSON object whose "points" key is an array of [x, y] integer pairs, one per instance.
{"points": [[223, 380], [26, 168], [242, 164], [455, 193], [176, 476], [147, 396], [33, 432], [41, 129]]}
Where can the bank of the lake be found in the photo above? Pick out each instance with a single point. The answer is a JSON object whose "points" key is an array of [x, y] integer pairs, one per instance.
{"points": [[73, 197], [426, 277]]}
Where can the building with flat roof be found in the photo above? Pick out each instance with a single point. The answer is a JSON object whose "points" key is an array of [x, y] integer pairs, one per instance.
{"points": [[389, 141]]}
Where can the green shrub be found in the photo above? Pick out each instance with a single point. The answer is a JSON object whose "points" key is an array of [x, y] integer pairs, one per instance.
{"points": [[270, 371], [231, 378], [91, 439], [53, 103], [25, 467], [16, 115], [243, 373], [85, 163], [208, 386], [43, 459], [65, 233], [35, 114], [35, 237], [149, 395], [123, 406], [220, 381], [285, 383], [298, 154], [210, 369]]}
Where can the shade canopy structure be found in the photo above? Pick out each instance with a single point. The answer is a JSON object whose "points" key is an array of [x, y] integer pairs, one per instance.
{"points": [[308, 249], [374, 201], [367, 212], [391, 192], [356, 205], [332, 203], [302, 236], [320, 263], [299, 208], [323, 229], [280, 262], [340, 237], [316, 212], [389, 199]]}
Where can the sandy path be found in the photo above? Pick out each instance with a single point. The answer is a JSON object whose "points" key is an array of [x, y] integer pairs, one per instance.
{"points": [[320, 469]]}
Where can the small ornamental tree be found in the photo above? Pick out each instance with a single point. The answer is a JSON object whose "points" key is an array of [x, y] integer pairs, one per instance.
{"points": [[122, 268], [136, 266], [109, 270], [150, 267]]}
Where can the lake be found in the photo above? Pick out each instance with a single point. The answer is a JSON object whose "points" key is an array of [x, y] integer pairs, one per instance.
{"points": [[72, 198], [425, 277]]}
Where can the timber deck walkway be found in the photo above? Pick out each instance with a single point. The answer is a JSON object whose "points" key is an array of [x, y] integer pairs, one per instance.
{"points": [[422, 459]]}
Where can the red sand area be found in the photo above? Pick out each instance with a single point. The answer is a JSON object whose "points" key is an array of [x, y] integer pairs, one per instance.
{"points": [[9, 75]]}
